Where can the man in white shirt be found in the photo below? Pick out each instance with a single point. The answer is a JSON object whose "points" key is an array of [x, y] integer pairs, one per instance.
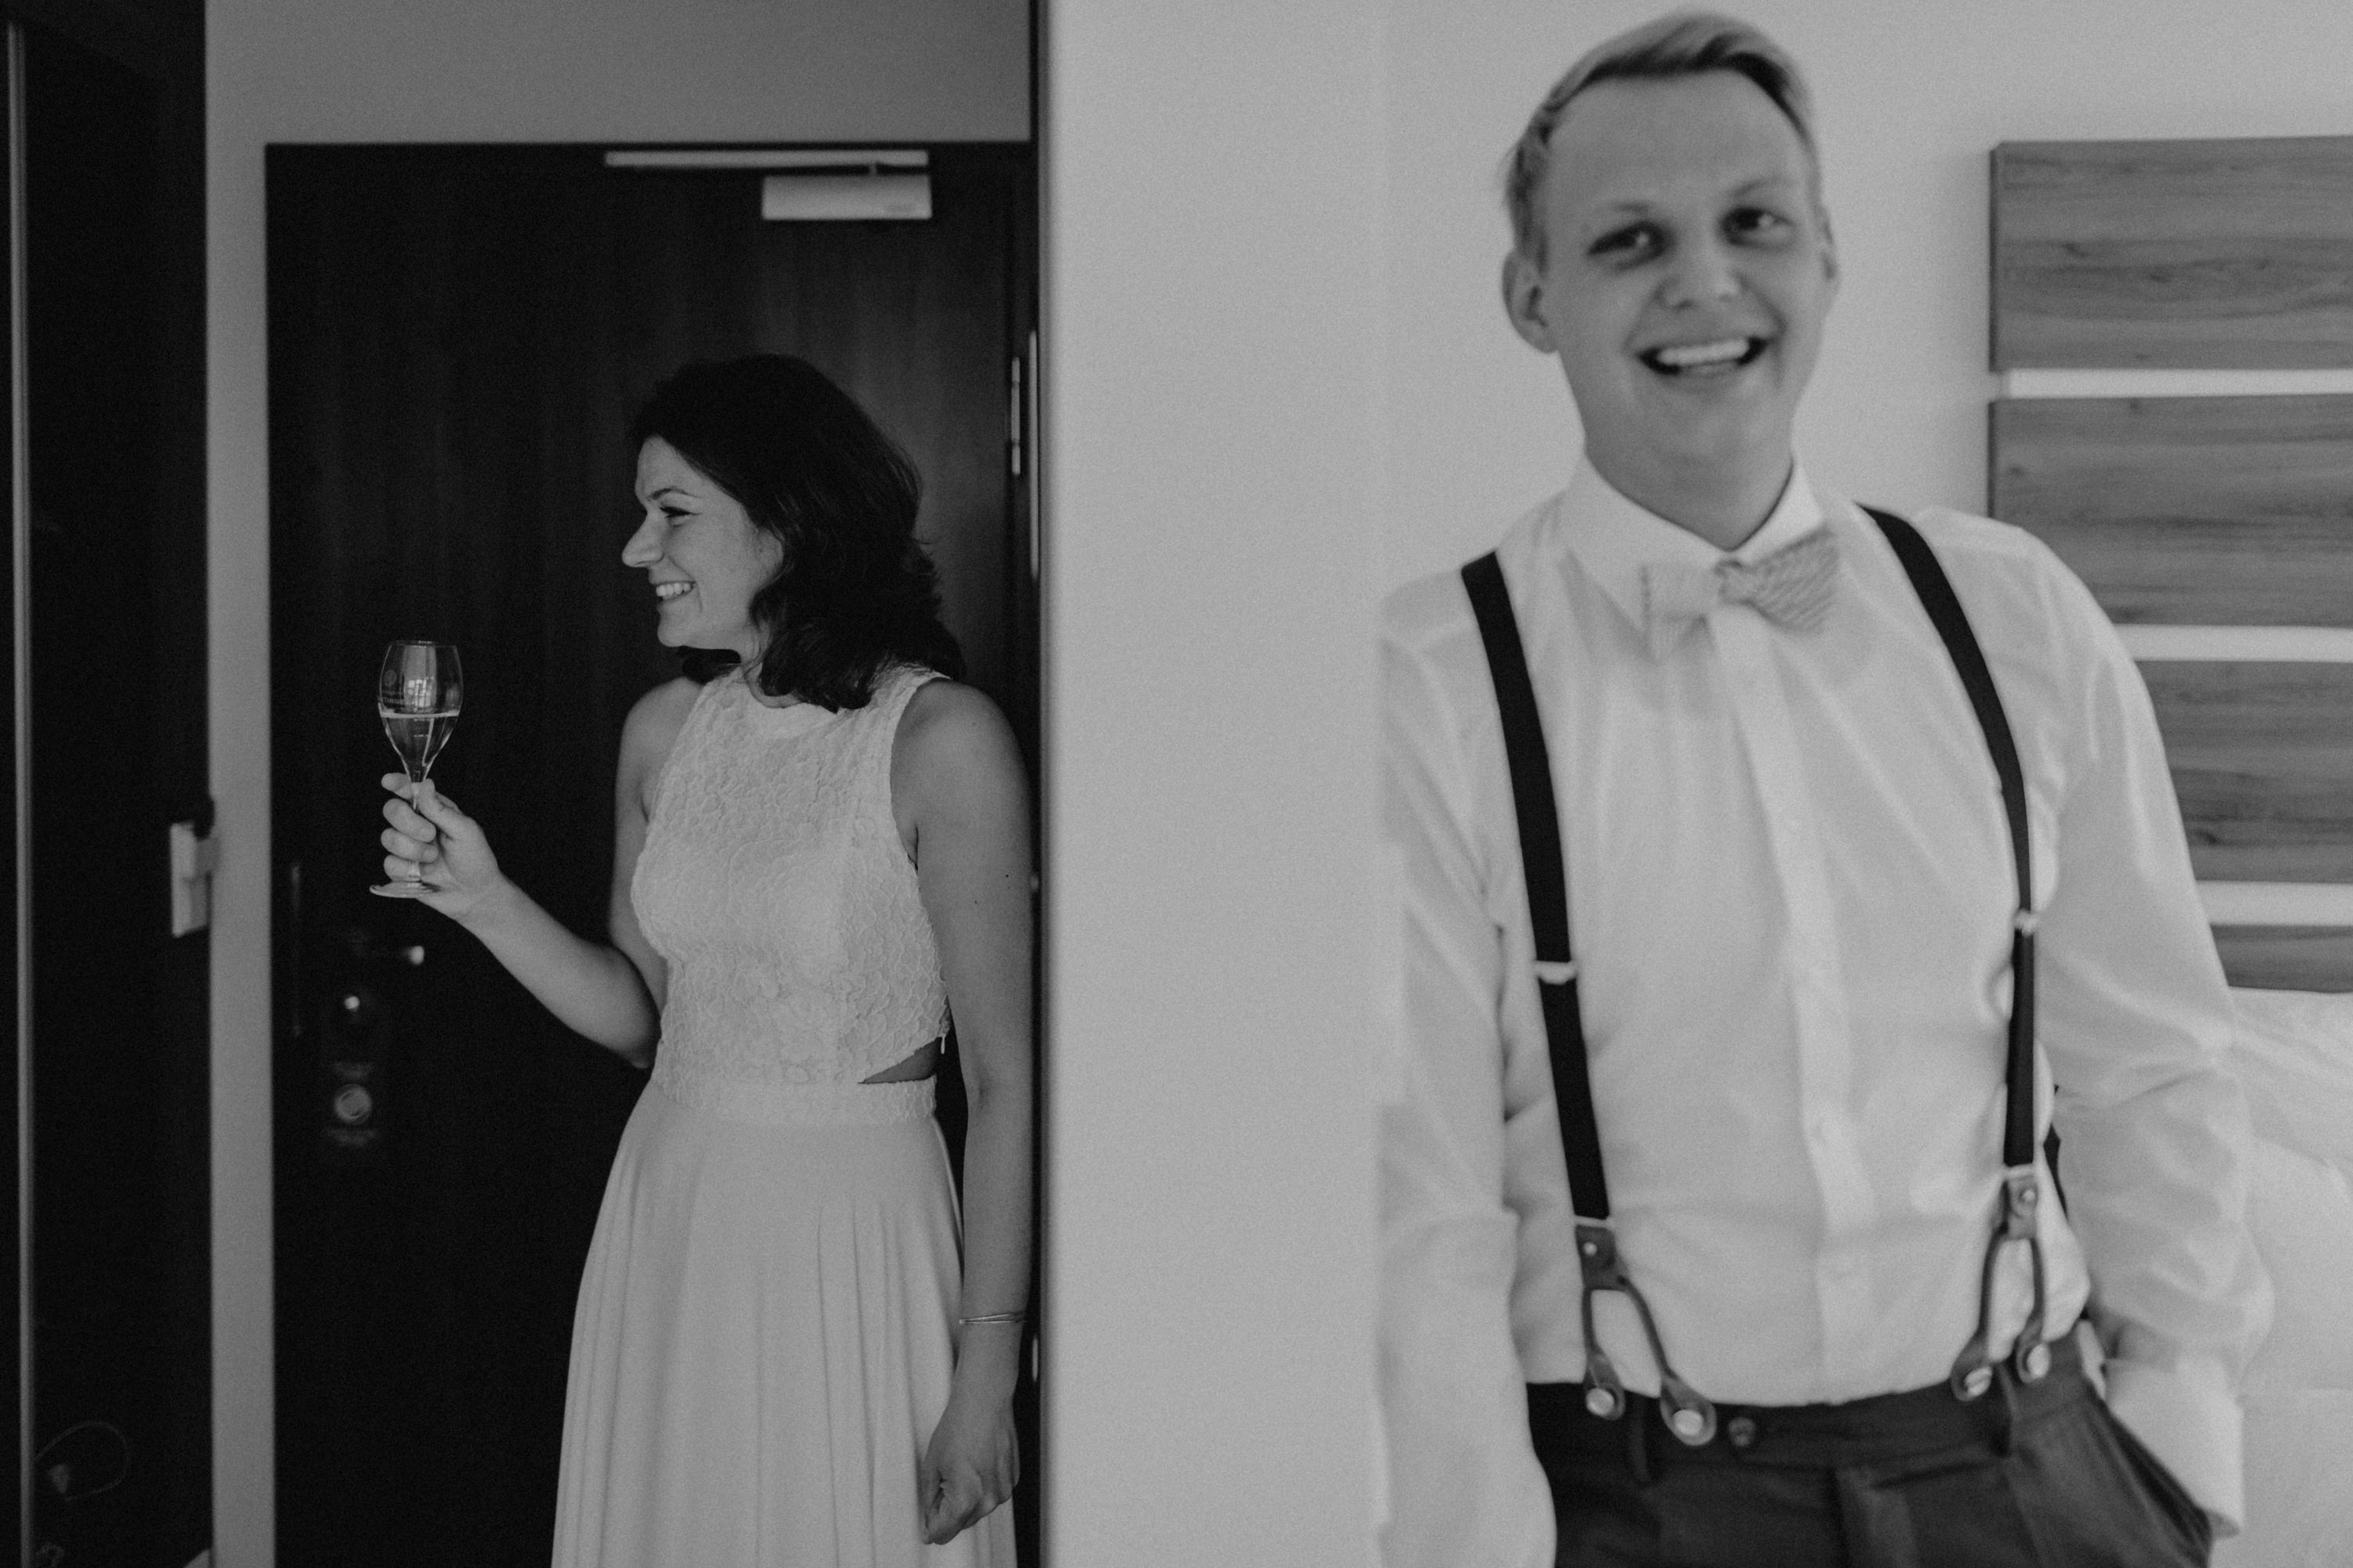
{"points": [[1793, 889]]}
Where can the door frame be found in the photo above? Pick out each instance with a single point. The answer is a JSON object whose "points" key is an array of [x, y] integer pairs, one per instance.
{"points": [[161, 42]]}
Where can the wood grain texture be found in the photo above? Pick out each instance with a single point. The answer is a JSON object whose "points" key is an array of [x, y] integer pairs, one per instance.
{"points": [[2187, 511], [2262, 763], [2288, 958], [2234, 253]]}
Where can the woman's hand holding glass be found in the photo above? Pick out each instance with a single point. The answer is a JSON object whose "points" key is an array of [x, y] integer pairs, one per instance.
{"points": [[419, 689], [435, 849]]}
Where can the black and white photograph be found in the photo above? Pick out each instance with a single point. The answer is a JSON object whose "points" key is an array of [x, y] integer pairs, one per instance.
{"points": [[1346, 784]]}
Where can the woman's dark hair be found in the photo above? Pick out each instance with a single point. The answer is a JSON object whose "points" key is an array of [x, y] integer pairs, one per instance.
{"points": [[856, 592]]}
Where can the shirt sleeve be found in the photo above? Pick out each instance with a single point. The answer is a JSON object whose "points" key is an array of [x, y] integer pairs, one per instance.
{"points": [[1465, 1487], [2136, 1019]]}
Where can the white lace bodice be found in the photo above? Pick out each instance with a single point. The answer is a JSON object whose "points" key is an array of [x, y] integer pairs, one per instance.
{"points": [[774, 884]]}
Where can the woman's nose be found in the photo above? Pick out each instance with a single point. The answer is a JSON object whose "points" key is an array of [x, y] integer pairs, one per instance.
{"points": [[644, 547]]}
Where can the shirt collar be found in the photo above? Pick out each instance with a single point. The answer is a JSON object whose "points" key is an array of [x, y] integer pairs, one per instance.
{"points": [[1612, 539]]}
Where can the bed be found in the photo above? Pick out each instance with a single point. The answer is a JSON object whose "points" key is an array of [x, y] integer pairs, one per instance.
{"points": [[2295, 1058]]}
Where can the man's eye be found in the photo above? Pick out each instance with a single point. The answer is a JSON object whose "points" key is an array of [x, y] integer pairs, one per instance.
{"points": [[673, 514], [1756, 223], [1635, 241]]}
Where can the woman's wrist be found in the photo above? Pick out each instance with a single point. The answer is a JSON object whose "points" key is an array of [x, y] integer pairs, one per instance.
{"points": [[989, 1358], [980, 1380], [492, 906]]}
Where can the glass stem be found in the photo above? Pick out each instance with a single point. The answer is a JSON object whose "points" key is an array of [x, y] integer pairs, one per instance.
{"points": [[417, 779]]}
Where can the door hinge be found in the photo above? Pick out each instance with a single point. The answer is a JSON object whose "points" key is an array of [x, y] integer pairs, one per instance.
{"points": [[1031, 423], [1014, 406]]}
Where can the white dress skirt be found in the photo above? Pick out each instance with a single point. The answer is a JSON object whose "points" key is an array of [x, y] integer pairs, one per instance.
{"points": [[761, 1350]]}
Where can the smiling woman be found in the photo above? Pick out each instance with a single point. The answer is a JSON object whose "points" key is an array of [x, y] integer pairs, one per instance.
{"points": [[698, 531], [821, 845], [783, 575]]}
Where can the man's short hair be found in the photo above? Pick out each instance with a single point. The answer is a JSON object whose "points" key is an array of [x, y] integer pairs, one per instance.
{"points": [[1681, 43]]}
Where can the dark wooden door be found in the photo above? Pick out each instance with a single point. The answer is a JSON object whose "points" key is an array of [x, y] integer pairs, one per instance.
{"points": [[109, 704], [458, 336]]}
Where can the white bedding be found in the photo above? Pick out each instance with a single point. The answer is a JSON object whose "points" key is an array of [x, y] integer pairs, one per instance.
{"points": [[2295, 1057]]}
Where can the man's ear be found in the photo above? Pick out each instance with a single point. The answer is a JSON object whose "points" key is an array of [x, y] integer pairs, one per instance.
{"points": [[1524, 301]]}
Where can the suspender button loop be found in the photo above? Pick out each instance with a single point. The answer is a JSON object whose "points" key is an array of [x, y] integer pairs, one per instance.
{"points": [[1689, 1416]]}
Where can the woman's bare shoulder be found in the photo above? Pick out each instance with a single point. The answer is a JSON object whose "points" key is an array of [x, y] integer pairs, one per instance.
{"points": [[948, 723], [954, 742]]}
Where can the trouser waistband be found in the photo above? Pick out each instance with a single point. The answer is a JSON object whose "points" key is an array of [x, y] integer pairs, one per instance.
{"points": [[1857, 1432]]}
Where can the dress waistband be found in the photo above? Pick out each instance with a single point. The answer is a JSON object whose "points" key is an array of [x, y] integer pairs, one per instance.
{"points": [[768, 1102]]}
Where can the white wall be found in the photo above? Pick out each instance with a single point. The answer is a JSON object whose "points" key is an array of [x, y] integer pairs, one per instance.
{"points": [[1213, 305], [1911, 95], [463, 71]]}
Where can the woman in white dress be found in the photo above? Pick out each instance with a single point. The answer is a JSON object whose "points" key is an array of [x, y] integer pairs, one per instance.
{"points": [[822, 845]]}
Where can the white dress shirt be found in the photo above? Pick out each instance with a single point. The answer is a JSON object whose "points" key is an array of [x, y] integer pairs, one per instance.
{"points": [[1790, 895]]}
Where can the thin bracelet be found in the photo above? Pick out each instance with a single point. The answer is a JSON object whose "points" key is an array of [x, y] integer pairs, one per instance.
{"points": [[994, 1318]]}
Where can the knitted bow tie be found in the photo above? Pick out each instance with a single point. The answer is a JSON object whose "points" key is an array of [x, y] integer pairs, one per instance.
{"points": [[1793, 587]]}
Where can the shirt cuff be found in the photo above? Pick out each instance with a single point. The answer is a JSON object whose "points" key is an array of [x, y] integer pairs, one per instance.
{"points": [[2189, 1418]]}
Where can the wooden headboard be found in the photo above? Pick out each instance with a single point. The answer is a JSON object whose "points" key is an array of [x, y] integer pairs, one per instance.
{"points": [[2174, 323]]}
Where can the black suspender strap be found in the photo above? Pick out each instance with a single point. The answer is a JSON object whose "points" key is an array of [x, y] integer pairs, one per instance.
{"points": [[1541, 862], [1688, 1416], [1935, 590], [2021, 1187]]}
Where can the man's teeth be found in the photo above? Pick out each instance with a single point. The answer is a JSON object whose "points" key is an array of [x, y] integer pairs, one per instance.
{"points": [[1690, 356], [671, 590]]}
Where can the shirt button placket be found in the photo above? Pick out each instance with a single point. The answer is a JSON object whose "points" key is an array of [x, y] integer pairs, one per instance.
{"points": [[1824, 1052]]}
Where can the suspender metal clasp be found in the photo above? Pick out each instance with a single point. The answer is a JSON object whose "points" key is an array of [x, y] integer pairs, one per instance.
{"points": [[1688, 1413], [2030, 1358]]}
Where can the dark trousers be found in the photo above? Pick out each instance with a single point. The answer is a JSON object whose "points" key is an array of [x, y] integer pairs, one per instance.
{"points": [[2033, 1474]]}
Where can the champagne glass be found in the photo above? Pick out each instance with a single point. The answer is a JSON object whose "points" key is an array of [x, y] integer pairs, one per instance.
{"points": [[419, 691]]}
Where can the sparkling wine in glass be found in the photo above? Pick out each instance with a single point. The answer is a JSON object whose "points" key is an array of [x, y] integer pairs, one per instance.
{"points": [[419, 691]]}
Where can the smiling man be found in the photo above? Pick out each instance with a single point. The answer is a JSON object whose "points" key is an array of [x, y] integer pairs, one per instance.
{"points": [[1732, 1235]]}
